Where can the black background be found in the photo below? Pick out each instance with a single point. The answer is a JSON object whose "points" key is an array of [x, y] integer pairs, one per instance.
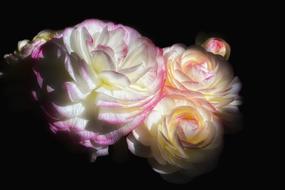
{"points": [[34, 156]]}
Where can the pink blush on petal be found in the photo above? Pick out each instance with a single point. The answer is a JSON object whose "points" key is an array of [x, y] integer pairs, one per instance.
{"points": [[37, 53]]}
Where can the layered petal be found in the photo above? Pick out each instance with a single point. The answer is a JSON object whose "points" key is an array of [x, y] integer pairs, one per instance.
{"points": [[104, 74], [195, 69], [178, 135]]}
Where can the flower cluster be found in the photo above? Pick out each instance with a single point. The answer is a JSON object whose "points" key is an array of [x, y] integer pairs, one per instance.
{"points": [[101, 81]]}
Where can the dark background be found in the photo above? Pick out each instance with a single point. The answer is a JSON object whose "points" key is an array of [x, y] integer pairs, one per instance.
{"points": [[34, 156]]}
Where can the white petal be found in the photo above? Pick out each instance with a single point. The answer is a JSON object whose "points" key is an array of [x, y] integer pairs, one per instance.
{"points": [[115, 79], [70, 110], [101, 61], [73, 92], [78, 41]]}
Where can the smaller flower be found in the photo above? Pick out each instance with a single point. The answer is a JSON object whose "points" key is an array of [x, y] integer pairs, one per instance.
{"points": [[181, 135], [197, 70], [28, 48], [217, 46]]}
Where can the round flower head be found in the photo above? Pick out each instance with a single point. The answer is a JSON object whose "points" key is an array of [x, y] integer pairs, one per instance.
{"points": [[217, 46], [197, 70], [181, 136], [98, 81]]}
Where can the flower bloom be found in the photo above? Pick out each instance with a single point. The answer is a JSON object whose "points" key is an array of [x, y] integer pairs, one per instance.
{"points": [[197, 70], [28, 48], [98, 81], [217, 46], [181, 134]]}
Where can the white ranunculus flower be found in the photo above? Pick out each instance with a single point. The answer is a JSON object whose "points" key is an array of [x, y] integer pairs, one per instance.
{"points": [[181, 136], [196, 70], [99, 81]]}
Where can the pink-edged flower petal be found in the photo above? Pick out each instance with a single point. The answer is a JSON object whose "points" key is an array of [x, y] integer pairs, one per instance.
{"points": [[73, 92], [69, 111]]}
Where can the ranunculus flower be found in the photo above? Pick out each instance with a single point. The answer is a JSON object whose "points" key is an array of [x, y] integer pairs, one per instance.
{"points": [[217, 46], [181, 136], [98, 81], [28, 48], [196, 70]]}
